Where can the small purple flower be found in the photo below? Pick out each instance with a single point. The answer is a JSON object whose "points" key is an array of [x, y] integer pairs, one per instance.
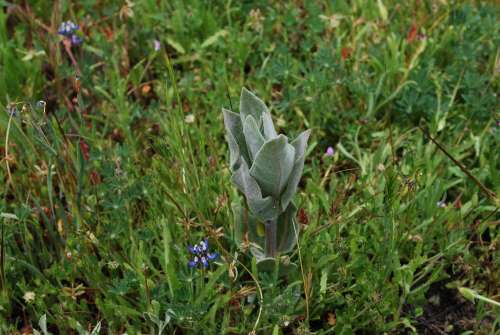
{"points": [[441, 204], [76, 40], [330, 151], [67, 28], [156, 45], [201, 254]]}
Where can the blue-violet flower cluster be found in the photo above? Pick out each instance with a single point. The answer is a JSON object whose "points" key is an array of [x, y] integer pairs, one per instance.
{"points": [[68, 29], [201, 254]]}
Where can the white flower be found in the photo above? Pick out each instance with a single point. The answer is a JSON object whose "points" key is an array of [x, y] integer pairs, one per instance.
{"points": [[29, 296], [189, 118], [113, 265], [256, 20], [332, 21]]}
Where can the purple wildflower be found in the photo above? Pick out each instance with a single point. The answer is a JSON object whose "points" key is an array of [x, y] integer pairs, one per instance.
{"points": [[201, 254], [441, 204], [68, 28], [330, 151], [76, 40], [156, 45]]}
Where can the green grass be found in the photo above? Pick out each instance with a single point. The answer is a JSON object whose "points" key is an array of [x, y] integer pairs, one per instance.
{"points": [[105, 186]]}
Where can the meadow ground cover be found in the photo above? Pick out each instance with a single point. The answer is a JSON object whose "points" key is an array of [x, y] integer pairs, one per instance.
{"points": [[116, 202]]}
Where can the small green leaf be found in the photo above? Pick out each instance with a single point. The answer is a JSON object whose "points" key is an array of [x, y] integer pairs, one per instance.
{"points": [[382, 9], [323, 282], [467, 293], [214, 38], [176, 45]]}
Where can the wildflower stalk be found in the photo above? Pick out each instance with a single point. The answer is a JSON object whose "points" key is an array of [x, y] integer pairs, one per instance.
{"points": [[2, 261], [67, 48], [9, 179]]}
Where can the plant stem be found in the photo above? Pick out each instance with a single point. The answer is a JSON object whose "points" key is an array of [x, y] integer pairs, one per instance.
{"points": [[271, 227], [2, 261]]}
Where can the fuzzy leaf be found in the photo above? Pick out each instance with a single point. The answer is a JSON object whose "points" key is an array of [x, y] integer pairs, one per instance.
{"points": [[267, 124], [253, 137], [234, 152], [234, 127], [245, 182], [245, 224], [268, 264], [251, 105], [263, 208], [286, 229], [273, 164], [300, 145]]}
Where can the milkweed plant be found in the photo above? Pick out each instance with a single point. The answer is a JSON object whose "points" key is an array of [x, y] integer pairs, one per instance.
{"points": [[266, 168]]}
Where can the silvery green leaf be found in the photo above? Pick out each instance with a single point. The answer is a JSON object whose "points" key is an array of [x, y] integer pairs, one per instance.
{"points": [[246, 224], [268, 126], [258, 252], [9, 216], [234, 127], [43, 324], [245, 182], [288, 229], [234, 152], [300, 145], [272, 165], [253, 137], [263, 208], [96, 329], [241, 222], [81, 330], [268, 264], [251, 105]]}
